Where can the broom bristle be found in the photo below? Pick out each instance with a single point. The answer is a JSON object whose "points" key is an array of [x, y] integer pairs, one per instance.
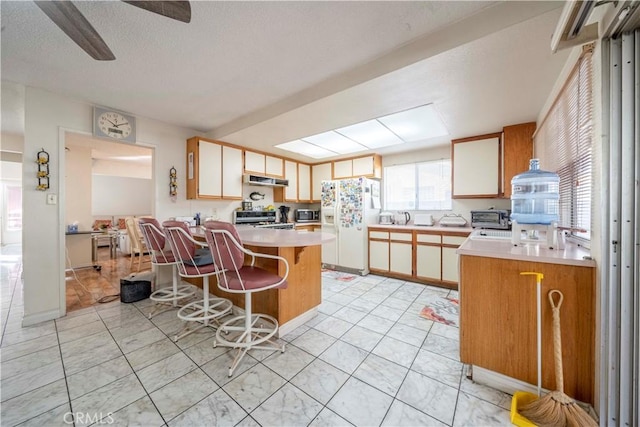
{"points": [[556, 409]]}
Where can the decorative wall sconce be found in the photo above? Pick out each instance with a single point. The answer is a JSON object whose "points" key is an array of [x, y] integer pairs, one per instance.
{"points": [[173, 182], [43, 170]]}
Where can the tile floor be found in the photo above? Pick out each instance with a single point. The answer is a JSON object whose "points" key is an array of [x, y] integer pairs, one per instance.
{"points": [[367, 359]]}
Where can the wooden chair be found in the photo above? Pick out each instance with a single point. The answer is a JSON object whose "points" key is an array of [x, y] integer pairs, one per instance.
{"points": [[136, 243], [249, 331]]}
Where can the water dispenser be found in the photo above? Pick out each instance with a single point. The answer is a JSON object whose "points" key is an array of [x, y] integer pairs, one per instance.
{"points": [[535, 198]]}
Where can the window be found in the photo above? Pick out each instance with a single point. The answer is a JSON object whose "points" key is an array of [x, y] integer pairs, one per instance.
{"points": [[418, 186], [563, 143]]}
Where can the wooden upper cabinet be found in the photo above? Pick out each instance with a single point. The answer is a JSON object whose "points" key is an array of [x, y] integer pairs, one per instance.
{"points": [[476, 166], [214, 170], [517, 148], [369, 166]]}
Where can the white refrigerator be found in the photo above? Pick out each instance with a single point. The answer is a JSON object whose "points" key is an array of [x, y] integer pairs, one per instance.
{"points": [[347, 207]]}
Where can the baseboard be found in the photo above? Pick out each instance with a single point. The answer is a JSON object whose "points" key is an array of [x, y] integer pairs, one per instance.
{"points": [[502, 382], [34, 319], [298, 321]]}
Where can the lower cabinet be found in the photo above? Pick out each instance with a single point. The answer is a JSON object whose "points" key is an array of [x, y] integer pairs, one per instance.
{"points": [[379, 255], [427, 257], [401, 253]]}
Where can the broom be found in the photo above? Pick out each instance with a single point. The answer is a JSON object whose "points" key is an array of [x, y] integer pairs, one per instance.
{"points": [[557, 409]]}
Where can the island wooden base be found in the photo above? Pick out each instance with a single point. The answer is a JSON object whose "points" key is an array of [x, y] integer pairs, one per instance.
{"points": [[304, 290], [498, 321]]}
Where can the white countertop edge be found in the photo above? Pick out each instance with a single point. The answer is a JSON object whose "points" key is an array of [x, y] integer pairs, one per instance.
{"points": [[571, 255]]}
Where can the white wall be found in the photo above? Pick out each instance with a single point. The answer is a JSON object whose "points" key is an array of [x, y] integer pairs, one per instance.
{"points": [[78, 188], [121, 196], [121, 168], [43, 238]]}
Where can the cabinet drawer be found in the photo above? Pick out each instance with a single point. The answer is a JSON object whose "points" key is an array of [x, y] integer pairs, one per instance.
{"points": [[405, 237], [429, 238], [453, 240], [379, 235]]}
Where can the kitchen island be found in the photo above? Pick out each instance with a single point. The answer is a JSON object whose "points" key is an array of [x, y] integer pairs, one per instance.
{"points": [[498, 314], [297, 303]]}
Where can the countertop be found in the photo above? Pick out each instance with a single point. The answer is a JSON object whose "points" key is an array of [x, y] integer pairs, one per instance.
{"points": [[527, 251], [282, 238], [435, 228]]}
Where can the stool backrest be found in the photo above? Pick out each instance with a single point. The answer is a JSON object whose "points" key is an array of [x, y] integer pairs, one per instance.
{"points": [[155, 241], [190, 262]]}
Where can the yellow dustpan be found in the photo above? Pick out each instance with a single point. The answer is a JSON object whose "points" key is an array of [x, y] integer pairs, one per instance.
{"points": [[522, 398]]}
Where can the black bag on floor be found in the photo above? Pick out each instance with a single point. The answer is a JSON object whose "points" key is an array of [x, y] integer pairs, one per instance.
{"points": [[136, 286]]}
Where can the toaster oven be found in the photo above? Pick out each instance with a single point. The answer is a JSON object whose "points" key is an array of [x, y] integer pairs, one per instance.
{"points": [[491, 218]]}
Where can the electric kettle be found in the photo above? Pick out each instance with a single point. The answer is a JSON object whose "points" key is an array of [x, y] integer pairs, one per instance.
{"points": [[402, 218]]}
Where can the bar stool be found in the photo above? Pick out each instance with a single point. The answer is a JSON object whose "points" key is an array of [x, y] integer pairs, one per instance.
{"points": [[249, 331], [195, 263], [155, 241]]}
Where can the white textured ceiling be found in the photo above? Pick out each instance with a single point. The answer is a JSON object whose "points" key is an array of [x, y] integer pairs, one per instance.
{"points": [[263, 73]]}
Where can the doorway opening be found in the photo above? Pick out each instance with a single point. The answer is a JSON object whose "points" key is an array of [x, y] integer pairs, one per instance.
{"points": [[105, 182]]}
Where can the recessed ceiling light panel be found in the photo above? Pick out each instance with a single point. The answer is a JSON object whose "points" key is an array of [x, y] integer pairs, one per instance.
{"points": [[335, 142], [301, 147], [371, 134], [416, 124]]}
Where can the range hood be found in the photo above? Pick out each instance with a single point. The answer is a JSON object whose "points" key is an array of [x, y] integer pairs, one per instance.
{"points": [[265, 180]]}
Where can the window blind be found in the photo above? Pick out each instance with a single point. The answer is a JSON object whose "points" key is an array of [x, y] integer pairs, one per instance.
{"points": [[563, 144]]}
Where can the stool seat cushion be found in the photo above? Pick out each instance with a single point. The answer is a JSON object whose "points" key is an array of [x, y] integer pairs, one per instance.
{"points": [[253, 278]]}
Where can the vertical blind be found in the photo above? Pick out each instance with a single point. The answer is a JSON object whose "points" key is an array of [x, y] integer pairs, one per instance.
{"points": [[563, 143]]}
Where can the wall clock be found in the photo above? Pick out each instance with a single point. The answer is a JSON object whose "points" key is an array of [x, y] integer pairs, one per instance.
{"points": [[114, 125]]}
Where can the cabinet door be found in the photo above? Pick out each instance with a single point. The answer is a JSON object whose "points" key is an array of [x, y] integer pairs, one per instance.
{"points": [[274, 166], [231, 172], [254, 162], [363, 166], [304, 182], [291, 174], [342, 169], [476, 167], [428, 262], [449, 264], [319, 173], [378, 255], [400, 257], [209, 176], [517, 149]]}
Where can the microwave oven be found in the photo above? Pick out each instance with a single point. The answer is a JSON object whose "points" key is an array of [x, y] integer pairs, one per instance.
{"points": [[307, 215], [491, 218]]}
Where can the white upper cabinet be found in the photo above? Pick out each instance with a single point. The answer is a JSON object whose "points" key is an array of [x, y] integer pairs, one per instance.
{"points": [[343, 169], [214, 170], [291, 174], [476, 167], [368, 166], [209, 177], [274, 166], [254, 162], [304, 182], [319, 173], [231, 172]]}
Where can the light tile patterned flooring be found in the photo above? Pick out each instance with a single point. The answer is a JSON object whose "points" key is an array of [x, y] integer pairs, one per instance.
{"points": [[367, 359]]}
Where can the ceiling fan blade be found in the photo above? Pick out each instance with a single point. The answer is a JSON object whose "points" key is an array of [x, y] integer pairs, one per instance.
{"points": [[70, 20], [179, 10]]}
